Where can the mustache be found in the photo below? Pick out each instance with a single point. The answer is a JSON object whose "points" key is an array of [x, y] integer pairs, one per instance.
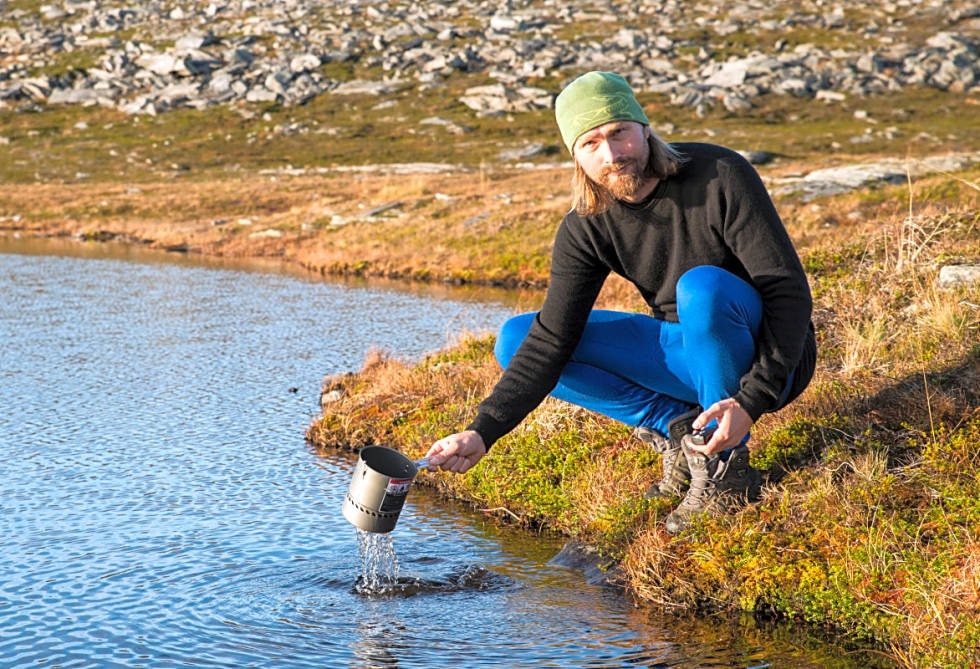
{"points": [[619, 166]]}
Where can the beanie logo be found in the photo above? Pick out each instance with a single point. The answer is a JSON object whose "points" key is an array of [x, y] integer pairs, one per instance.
{"points": [[611, 108]]}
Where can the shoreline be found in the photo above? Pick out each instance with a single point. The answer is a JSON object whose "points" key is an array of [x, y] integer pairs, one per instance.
{"points": [[857, 470], [368, 228]]}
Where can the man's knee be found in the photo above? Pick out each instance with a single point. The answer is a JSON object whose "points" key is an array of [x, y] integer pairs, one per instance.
{"points": [[699, 286], [715, 297]]}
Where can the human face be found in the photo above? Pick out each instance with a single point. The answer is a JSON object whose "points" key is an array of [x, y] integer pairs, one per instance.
{"points": [[615, 156]]}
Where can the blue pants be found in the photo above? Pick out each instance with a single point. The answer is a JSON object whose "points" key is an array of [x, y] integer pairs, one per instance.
{"points": [[641, 370]]}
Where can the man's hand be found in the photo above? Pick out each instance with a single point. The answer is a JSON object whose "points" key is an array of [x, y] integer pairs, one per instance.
{"points": [[457, 452], [733, 424]]}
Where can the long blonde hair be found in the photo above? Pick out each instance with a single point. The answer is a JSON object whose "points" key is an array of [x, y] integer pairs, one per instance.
{"points": [[590, 198]]}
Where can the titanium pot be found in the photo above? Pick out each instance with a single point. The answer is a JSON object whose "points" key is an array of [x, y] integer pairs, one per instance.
{"points": [[378, 488]]}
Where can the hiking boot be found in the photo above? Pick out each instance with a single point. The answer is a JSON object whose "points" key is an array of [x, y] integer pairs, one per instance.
{"points": [[717, 485], [676, 475]]}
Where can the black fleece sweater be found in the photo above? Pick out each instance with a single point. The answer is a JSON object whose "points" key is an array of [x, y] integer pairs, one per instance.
{"points": [[714, 211]]}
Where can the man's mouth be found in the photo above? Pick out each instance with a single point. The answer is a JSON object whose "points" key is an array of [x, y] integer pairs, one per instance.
{"points": [[618, 169]]}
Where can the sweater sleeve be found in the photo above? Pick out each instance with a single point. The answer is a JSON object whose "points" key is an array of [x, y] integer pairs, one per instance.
{"points": [[575, 281], [755, 233]]}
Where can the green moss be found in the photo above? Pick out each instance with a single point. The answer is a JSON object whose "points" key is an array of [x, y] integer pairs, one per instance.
{"points": [[528, 475], [833, 263], [795, 443]]}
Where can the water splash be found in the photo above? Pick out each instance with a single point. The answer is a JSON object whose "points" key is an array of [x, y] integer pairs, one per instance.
{"points": [[379, 562]]}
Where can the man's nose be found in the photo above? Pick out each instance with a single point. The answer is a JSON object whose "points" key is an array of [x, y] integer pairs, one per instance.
{"points": [[608, 152]]}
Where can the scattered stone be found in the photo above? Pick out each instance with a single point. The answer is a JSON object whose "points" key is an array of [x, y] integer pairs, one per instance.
{"points": [[954, 276], [331, 396], [522, 152], [274, 51], [333, 388], [384, 208], [473, 220], [757, 157], [837, 180], [596, 569], [497, 99], [270, 233], [450, 126]]}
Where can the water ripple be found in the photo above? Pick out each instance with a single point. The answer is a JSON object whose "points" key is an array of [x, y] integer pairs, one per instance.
{"points": [[160, 509]]}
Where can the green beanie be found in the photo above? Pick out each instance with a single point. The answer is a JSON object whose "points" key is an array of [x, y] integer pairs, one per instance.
{"points": [[593, 99]]}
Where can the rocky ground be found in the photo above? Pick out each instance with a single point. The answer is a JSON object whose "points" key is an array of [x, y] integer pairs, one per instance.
{"points": [[491, 59], [147, 58]]}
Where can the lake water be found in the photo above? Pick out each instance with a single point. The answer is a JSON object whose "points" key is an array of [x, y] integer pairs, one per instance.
{"points": [[161, 509]]}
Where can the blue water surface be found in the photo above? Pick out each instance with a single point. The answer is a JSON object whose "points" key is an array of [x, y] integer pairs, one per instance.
{"points": [[161, 509]]}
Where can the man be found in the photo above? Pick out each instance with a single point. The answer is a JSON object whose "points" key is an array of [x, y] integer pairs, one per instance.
{"points": [[729, 336]]}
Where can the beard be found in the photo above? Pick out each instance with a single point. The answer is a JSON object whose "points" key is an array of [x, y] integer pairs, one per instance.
{"points": [[622, 179]]}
